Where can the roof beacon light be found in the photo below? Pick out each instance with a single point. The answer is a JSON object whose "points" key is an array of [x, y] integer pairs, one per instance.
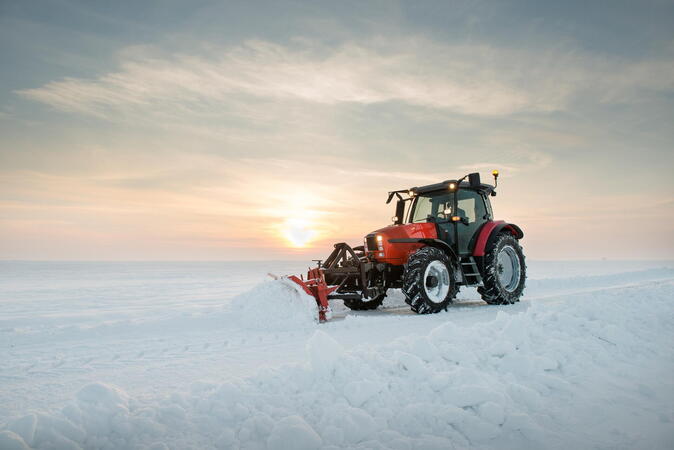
{"points": [[495, 173]]}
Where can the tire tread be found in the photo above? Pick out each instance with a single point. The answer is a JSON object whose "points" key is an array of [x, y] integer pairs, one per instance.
{"points": [[413, 283], [365, 305], [491, 291]]}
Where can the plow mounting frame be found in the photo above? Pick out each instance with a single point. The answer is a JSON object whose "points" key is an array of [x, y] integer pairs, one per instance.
{"points": [[343, 275]]}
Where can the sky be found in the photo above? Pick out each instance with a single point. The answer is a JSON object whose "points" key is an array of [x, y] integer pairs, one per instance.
{"points": [[204, 130]]}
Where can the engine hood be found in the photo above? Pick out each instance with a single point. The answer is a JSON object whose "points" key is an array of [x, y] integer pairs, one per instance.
{"points": [[397, 253], [408, 230]]}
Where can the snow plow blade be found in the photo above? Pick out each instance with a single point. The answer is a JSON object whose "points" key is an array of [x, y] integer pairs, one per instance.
{"points": [[316, 287], [343, 269]]}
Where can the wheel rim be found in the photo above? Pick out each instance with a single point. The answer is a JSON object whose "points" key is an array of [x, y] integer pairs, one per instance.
{"points": [[508, 267], [436, 281]]}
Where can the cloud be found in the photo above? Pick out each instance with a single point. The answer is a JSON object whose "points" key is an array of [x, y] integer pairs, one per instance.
{"points": [[512, 161], [242, 80]]}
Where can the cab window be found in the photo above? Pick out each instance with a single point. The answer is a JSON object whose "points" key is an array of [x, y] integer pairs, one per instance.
{"points": [[470, 205], [431, 205]]}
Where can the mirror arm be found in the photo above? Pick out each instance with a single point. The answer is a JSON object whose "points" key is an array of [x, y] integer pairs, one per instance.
{"points": [[391, 194]]}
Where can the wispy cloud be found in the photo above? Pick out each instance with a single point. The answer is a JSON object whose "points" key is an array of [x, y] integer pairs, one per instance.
{"points": [[468, 79], [512, 161]]}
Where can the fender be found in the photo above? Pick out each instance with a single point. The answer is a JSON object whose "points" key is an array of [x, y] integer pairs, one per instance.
{"points": [[431, 242], [489, 231]]}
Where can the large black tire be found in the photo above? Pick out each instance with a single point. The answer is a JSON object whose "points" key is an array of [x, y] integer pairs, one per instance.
{"points": [[421, 285], [365, 305], [505, 271]]}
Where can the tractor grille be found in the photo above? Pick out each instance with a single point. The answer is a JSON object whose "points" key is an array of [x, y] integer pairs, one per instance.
{"points": [[371, 240]]}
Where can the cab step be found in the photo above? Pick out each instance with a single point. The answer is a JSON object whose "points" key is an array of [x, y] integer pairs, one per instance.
{"points": [[471, 273]]}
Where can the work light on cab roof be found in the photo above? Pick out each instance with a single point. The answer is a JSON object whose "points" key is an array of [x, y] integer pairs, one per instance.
{"points": [[443, 236]]}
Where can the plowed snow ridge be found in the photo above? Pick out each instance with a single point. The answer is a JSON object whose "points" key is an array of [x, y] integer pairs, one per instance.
{"points": [[274, 305]]}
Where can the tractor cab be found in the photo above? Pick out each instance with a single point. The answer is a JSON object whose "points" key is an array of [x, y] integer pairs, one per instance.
{"points": [[458, 209], [458, 213]]}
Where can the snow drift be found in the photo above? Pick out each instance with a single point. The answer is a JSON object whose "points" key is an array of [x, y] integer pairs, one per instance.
{"points": [[591, 371], [274, 305]]}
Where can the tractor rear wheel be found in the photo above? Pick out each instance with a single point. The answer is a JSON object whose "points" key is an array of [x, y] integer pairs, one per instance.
{"points": [[365, 305], [505, 271], [428, 282]]}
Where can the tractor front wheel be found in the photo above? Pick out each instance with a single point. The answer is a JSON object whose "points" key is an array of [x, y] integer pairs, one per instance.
{"points": [[505, 271], [428, 281], [365, 305]]}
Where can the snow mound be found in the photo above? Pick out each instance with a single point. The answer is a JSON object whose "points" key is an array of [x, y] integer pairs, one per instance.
{"points": [[275, 305], [293, 432], [542, 378], [12, 441]]}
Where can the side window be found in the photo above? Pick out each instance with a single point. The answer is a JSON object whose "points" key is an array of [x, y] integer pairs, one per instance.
{"points": [[471, 205], [466, 207]]}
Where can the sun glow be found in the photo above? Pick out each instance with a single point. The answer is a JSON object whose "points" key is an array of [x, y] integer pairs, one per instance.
{"points": [[297, 216], [298, 232]]}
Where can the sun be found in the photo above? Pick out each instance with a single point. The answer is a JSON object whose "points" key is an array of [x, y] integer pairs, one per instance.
{"points": [[296, 216], [298, 232]]}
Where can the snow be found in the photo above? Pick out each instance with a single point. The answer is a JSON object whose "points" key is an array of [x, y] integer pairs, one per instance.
{"points": [[323, 352], [585, 360], [275, 305], [292, 433]]}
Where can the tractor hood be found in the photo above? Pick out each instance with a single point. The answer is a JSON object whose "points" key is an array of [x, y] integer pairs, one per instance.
{"points": [[380, 249]]}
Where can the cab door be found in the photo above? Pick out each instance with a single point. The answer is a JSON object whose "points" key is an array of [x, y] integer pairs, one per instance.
{"points": [[442, 212], [470, 204]]}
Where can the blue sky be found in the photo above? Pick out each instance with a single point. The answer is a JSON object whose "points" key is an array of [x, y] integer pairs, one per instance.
{"points": [[207, 130]]}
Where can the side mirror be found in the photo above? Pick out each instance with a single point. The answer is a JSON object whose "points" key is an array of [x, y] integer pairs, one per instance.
{"points": [[400, 212]]}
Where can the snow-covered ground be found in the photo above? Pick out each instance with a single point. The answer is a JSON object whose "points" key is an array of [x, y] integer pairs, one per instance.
{"points": [[213, 355]]}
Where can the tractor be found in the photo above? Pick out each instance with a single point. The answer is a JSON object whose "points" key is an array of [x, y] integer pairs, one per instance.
{"points": [[443, 236]]}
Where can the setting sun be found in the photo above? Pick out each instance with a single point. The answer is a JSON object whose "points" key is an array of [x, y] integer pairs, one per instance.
{"points": [[298, 232], [297, 215]]}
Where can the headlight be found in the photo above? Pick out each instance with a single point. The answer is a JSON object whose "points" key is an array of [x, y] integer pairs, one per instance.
{"points": [[380, 243]]}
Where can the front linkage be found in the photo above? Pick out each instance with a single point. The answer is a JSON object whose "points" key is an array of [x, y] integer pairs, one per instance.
{"points": [[343, 275]]}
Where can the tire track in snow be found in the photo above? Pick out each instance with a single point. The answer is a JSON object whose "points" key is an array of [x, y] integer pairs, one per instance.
{"points": [[642, 278]]}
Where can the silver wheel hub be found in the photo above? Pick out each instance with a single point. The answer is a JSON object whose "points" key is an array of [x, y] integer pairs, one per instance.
{"points": [[436, 281], [508, 268]]}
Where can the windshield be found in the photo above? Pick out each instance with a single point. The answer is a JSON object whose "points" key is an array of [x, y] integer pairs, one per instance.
{"points": [[431, 204]]}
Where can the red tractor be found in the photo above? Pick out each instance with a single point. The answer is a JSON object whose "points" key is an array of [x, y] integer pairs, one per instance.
{"points": [[443, 236]]}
